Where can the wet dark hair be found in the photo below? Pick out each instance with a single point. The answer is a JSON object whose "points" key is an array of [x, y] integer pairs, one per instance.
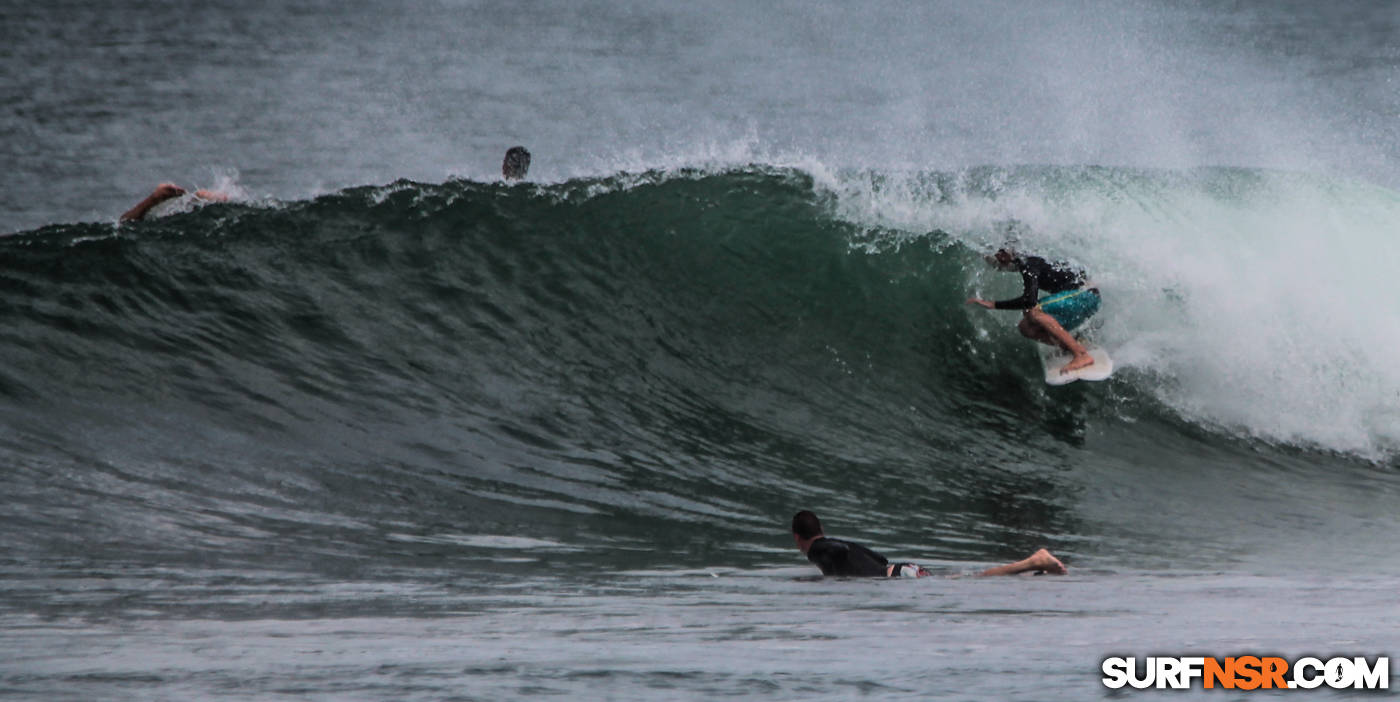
{"points": [[1005, 254], [516, 163], [806, 525]]}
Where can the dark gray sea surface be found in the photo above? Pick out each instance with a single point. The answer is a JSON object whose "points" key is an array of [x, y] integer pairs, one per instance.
{"points": [[384, 426], [101, 101], [778, 633]]}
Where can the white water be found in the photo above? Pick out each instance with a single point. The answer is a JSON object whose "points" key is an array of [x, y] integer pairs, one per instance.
{"points": [[1262, 302]]}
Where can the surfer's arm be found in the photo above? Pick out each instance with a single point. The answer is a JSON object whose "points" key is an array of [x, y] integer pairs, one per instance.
{"points": [[1029, 294], [163, 192]]}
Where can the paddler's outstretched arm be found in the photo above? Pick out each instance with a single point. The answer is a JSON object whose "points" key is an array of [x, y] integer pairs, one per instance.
{"points": [[163, 192], [168, 191]]}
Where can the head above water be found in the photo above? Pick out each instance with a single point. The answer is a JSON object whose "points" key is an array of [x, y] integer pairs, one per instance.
{"points": [[805, 528], [516, 163]]}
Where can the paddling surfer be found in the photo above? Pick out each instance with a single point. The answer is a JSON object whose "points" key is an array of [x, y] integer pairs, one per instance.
{"points": [[168, 191], [1050, 319], [837, 557]]}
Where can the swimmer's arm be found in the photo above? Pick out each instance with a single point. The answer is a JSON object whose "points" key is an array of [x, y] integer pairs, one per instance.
{"points": [[163, 192]]}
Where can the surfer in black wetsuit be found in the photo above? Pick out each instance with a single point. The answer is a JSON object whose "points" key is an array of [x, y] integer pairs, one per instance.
{"points": [[1048, 320], [837, 557]]}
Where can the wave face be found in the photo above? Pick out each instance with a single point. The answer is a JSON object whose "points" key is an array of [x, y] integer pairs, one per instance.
{"points": [[1254, 302], [633, 357]]}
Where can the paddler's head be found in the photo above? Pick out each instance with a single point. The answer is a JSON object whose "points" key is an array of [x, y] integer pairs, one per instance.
{"points": [[806, 528]]}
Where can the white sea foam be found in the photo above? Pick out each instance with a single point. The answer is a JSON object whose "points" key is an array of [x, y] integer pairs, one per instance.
{"points": [[1258, 301]]}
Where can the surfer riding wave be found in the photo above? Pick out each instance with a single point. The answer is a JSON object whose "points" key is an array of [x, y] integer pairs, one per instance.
{"points": [[1048, 320]]}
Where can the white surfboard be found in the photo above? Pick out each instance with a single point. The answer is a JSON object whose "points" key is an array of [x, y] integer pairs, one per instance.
{"points": [[1055, 359]]}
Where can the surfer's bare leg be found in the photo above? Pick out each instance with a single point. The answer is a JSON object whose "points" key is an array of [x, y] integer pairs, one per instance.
{"points": [[1047, 326], [1035, 332], [1040, 561]]}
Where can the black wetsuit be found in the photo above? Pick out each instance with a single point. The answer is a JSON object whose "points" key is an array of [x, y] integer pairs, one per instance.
{"points": [[1039, 275], [837, 557]]}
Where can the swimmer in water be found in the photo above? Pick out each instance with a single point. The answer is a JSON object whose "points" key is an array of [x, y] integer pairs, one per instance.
{"points": [[837, 557], [168, 191]]}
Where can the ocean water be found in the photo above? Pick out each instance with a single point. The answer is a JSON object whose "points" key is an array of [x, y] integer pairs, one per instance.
{"points": [[386, 427]]}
